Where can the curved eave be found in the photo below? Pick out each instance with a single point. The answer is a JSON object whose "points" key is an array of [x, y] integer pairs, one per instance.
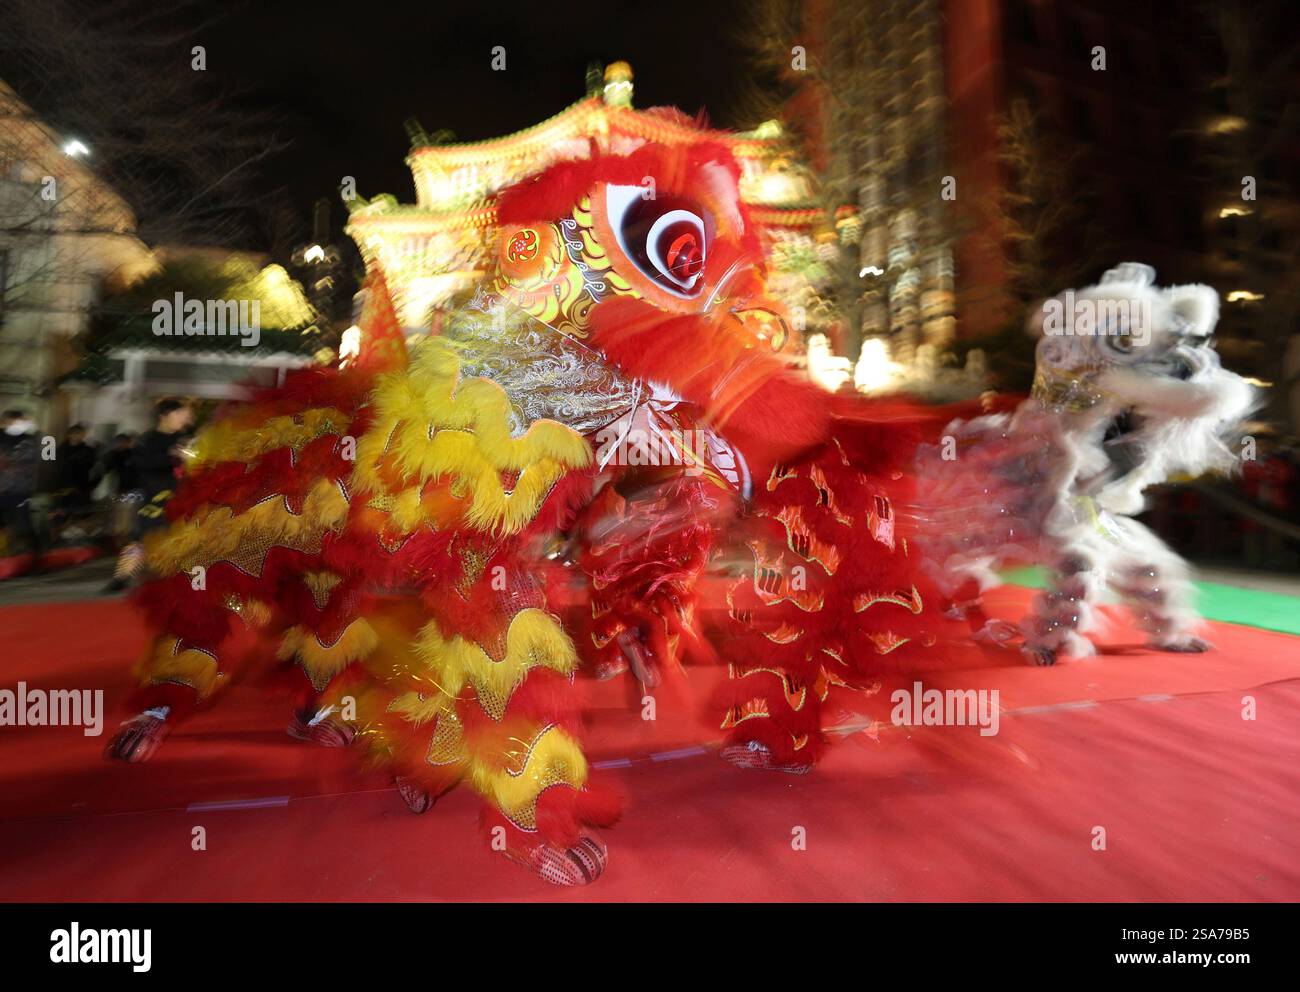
{"points": [[582, 120], [415, 220]]}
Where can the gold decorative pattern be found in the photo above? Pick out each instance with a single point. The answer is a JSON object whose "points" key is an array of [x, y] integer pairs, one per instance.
{"points": [[910, 601]]}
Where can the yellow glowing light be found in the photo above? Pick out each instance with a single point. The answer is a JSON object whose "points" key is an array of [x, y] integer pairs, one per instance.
{"points": [[828, 370], [1234, 211], [349, 346], [618, 84], [874, 370], [778, 187], [1244, 296], [1227, 124]]}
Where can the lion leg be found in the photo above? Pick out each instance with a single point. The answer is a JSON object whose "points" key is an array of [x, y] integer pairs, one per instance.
{"points": [[1156, 585], [1061, 612], [183, 667], [327, 638]]}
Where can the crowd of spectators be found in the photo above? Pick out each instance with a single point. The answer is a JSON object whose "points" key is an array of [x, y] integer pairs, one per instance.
{"points": [[72, 491]]}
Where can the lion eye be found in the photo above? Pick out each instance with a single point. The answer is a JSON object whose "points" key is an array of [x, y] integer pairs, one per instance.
{"points": [[680, 248], [667, 239]]}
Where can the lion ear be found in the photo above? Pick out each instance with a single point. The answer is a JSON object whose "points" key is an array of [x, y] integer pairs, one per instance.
{"points": [[1130, 274], [1196, 304]]}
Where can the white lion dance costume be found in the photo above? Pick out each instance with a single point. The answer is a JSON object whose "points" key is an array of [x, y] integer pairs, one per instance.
{"points": [[1128, 391]]}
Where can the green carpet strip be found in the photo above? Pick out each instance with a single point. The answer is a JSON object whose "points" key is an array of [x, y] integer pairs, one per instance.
{"points": [[1228, 604]]}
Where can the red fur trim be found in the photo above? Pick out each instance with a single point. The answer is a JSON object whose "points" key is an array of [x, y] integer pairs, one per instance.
{"points": [[544, 697], [750, 396], [180, 699], [174, 606], [562, 812], [562, 504], [240, 485], [315, 386], [777, 740]]}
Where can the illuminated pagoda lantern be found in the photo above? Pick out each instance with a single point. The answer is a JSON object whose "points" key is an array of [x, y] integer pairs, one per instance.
{"points": [[431, 254]]}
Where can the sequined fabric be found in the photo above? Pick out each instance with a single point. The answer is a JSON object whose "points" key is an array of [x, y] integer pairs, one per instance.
{"points": [[547, 375]]}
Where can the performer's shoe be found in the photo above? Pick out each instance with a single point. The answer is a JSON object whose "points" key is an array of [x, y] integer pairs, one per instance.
{"points": [[755, 755], [580, 864], [138, 739], [638, 658], [1038, 654], [320, 729], [1183, 644], [416, 799]]}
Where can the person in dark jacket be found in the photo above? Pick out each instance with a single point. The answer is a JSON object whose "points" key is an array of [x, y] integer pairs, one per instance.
{"points": [[124, 498], [77, 462], [154, 465], [19, 459], [117, 464]]}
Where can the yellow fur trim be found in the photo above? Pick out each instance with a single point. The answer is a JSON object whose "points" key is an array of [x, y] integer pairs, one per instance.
{"points": [[553, 758], [534, 640], [236, 441], [189, 667], [321, 585], [218, 534], [255, 613], [322, 662], [419, 708], [432, 425]]}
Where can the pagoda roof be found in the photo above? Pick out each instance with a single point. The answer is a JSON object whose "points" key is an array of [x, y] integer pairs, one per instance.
{"points": [[419, 220], [590, 117]]}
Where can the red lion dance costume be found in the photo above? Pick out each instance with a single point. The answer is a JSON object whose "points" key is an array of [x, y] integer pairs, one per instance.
{"points": [[398, 526]]}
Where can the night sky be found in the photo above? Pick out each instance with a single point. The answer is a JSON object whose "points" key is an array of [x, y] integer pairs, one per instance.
{"points": [[346, 76]]}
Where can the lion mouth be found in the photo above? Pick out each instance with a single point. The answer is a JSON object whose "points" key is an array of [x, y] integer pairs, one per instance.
{"points": [[1124, 424], [1119, 443]]}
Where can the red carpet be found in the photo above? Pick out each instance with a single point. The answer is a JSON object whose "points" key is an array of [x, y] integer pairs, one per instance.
{"points": [[1196, 802], [13, 566]]}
